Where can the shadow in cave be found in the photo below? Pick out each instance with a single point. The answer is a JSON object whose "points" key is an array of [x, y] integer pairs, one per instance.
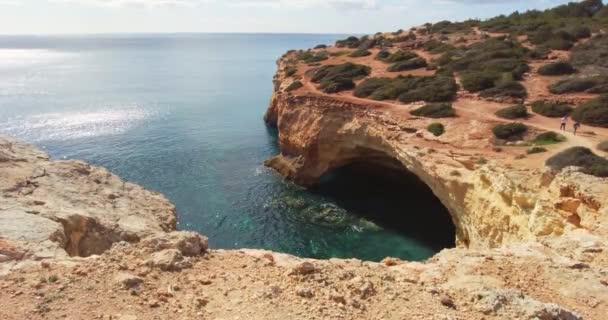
{"points": [[391, 197]]}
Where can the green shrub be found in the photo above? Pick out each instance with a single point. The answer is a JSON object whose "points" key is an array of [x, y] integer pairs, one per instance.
{"points": [[512, 89], [409, 88], [435, 110], [294, 86], [534, 150], [335, 78], [350, 42], [478, 81], [603, 146], [595, 84], [548, 137], [436, 47], [290, 71], [337, 85], [321, 46], [591, 53], [510, 131], [556, 69], [580, 157], [398, 56], [382, 55], [411, 64], [311, 57], [437, 129], [340, 53], [360, 53], [551, 109], [513, 112], [593, 112]]}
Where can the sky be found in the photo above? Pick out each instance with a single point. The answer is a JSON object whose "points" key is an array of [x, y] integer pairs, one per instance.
{"points": [[247, 16]]}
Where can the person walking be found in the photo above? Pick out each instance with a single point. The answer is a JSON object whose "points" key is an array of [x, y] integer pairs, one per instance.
{"points": [[577, 125], [563, 123]]}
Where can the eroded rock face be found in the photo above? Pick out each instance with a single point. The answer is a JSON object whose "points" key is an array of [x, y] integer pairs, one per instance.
{"points": [[492, 199], [55, 209]]}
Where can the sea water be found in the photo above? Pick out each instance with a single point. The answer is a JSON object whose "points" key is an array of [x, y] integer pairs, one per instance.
{"points": [[182, 114]]}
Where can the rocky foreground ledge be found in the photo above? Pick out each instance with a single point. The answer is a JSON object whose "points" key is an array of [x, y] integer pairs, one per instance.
{"points": [[76, 242]]}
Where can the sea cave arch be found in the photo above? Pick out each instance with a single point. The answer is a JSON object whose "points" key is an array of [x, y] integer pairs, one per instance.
{"points": [[377, 186]]}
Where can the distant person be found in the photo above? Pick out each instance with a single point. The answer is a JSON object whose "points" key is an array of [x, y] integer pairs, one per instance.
{"points": [[563, 123], [577, 125]]}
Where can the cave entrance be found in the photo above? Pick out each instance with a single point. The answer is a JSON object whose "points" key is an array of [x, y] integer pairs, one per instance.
{"points": [[380, 189]]}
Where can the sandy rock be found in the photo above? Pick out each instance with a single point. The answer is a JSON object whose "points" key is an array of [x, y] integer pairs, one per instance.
{"points": [[188, 243], [128, 280], [167, 260], [303, 268]]}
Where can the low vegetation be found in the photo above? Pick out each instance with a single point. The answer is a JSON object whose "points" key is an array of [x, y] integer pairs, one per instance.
{"points": [[557, 69], [294, 86], [336, 78], [435, 110], [505, 89], [437, 47], [593, 112], [595, 84], [448, 27], [415, 63], [350, 42], [360, 53], [592, 53], [548, 137], [290, 71], [589, 162], [535, 150], [510, 131], [551, 109], [398, 56], [514, 112], [409, 89], [311, 56], [437, 129], [556, 28]]}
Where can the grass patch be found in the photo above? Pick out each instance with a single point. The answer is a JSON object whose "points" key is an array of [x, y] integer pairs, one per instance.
{"points": [[411, 64], [514, 112], [535, 150], [593, 112], [510, 131], [437, 129], [557, 69], [336, 78], [549, 137], [294, 86], [551, 109], [580, 157], [435, 110], [409, 89]]}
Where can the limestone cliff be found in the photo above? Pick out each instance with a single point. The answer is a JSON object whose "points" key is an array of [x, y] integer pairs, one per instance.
{"points": [[496, 194], [53, 209]]}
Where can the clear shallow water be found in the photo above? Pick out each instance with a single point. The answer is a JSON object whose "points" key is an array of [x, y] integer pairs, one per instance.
{"points": [[182, 114]]}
